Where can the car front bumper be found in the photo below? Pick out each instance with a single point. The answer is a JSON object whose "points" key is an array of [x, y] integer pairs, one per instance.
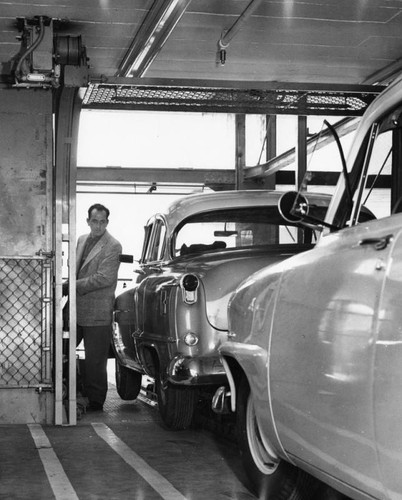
{"points": [[185, 370]]}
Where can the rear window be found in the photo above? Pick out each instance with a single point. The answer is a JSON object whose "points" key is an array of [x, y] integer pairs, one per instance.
{"points": [[238, 228]]}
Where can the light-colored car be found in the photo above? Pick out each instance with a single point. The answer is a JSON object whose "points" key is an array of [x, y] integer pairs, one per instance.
{"points": [[314, 349], [171, 323]]}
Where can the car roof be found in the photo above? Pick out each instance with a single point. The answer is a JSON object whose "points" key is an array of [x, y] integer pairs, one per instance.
{"points": [[193, 204]]}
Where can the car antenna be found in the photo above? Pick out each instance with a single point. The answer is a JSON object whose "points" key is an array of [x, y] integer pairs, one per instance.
{"points": [[344, 169]]}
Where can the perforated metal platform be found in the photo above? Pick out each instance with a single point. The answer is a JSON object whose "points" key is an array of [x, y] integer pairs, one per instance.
{"points": [[243, 97]]}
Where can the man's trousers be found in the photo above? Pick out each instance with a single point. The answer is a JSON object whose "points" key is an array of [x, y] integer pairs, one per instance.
{"points": [[97, 344]]}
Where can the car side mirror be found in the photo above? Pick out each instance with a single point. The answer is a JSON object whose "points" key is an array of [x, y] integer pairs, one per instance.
{"points": [[128, 259], [293, 206]]}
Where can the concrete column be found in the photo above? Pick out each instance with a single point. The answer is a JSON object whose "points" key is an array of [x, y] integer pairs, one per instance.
{"points": [[26, 144]]}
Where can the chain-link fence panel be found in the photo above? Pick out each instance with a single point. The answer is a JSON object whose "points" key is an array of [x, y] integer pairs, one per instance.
{"points": [[25, 349]]}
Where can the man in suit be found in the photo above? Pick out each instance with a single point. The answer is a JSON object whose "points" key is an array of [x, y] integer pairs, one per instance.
{"points": [[97, 266]]}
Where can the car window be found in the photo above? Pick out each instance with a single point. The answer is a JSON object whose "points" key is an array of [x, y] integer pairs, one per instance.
{"points": [[146, 248], [374, 177], [374, 191], [237, 228], [156, 241], [160, 240]]}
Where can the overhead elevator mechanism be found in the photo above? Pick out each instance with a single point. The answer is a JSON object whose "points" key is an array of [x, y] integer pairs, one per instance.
{"points": [[48, 59]]}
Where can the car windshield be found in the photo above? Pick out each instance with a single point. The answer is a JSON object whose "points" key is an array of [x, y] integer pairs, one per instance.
{"points": [[374, 189], [327, 163], [325, 158], [238, 228]]}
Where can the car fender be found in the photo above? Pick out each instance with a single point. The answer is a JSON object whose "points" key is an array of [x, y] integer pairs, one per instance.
{"points": [[149, 355], [239, 359], [124, 323]]}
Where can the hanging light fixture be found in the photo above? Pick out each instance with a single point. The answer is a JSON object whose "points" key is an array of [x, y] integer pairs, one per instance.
{"points": [[227, 35]]}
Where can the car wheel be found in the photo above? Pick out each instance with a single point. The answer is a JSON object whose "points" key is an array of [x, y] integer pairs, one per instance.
{"points": [[176, 404], [269, 476], [325, 492], [128, 382]]}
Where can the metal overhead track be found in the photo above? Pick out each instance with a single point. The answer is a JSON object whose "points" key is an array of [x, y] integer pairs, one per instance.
{"points": [[151, 36], [230, 97]]}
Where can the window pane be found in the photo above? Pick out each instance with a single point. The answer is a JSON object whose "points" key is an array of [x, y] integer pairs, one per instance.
{"points": [[231, 229], [151, 139], [376, 199]]}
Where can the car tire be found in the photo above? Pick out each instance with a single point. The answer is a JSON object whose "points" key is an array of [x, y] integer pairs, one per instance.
{"points": [[128, 382], [176, 404], [325, 492], [268, 479]]}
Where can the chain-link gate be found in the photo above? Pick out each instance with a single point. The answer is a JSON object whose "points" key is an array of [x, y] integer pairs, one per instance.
{"points": [[25, 322]]}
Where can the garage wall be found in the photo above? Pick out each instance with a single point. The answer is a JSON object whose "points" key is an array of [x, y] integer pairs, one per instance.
{"points": [[26, 146], [25, 167]]}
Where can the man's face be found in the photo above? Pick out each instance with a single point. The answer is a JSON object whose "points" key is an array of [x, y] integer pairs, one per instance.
{"points": [[97, 222]]}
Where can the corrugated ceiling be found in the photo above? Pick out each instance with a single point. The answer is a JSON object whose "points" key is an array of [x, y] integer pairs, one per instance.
{"points": [[325, 41]]}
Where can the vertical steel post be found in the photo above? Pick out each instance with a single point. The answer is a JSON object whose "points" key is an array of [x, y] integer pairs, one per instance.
{"points": [[301, 150], [301, 158], [240, 147], [271, 129], [68, 105], [396, 188]]}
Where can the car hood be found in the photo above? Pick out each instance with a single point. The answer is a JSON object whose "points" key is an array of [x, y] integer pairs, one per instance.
{"points": [[221, 274]]}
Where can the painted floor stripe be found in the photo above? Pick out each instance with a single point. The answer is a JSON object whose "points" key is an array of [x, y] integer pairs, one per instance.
{"points": [[151, 476], [58, 479]]}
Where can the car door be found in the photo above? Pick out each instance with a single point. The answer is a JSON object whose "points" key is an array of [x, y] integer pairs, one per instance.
{"points": [[387, 401], [153, 292], [322, 352], [323, 342]]}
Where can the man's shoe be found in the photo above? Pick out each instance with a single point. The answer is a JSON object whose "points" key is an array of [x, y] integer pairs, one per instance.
{"points": [[94, 406]]}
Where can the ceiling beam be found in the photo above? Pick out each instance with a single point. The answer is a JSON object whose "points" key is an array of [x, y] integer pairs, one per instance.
{"points": [[211, 177]]}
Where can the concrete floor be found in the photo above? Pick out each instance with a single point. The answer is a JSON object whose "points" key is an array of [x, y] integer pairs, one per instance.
{"points": [[120, 453], [123, 452]]}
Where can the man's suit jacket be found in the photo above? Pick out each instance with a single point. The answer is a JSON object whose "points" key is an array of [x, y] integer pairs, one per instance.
{"points": [[97, 280]]}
